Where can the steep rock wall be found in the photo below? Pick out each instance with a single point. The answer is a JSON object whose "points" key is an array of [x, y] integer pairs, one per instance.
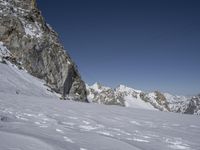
{"points": [[36, 46]]}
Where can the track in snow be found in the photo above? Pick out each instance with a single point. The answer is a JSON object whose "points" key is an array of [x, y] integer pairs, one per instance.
{"points": [[32, 119]]}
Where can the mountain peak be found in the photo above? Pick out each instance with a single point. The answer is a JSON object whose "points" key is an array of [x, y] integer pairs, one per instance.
{"points": [[129, 97], [96, 84], [122, 88], [98, 87], [25, 34]]}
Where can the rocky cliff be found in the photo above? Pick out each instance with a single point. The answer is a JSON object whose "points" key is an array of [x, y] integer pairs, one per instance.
{"points": [[35, 46]]}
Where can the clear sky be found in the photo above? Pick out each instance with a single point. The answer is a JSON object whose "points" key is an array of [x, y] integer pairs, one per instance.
{"points": [[145, 44]]}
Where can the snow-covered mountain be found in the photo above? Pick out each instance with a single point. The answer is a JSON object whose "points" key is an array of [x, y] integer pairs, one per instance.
{"points": [[129, 97], [32, 117], [34, 68]]}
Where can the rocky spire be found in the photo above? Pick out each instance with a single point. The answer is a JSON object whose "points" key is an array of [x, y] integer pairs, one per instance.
{"points": [[36, 46]]}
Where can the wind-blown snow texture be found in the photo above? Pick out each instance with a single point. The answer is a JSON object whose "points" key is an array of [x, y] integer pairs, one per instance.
{"points": [[32, 118]]}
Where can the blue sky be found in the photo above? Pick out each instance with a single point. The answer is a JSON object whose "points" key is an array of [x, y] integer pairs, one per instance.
{"points": [[148, 45]]}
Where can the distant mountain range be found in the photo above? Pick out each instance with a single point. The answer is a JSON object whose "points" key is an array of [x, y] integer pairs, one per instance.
{"points": [[129, 97]]}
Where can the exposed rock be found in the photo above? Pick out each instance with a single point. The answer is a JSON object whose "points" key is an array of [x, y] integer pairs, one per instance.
{"points": [[103, 95], [123, 95], [144, 97], [36, 47], [193, 106], [161, 99]]}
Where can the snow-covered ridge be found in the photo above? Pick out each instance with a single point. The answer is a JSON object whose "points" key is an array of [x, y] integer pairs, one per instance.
{"points": [[123, 88], [129, 97], [98, 87]]}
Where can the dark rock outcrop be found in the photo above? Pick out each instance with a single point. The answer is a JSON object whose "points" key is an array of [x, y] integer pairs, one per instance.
{"points": [[35, 45], [193, 106]]}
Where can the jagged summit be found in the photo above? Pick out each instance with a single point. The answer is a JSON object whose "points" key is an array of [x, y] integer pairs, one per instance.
{"points": [[122, 87], [99, 87], [129, 97], [36, 47]]}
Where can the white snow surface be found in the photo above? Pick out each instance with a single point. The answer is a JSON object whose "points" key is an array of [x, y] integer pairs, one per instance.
{"points": [[133, 102], [32, 118], [15, 81]]}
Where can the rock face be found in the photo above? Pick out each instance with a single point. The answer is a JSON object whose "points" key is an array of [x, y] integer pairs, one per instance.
{"points": [[103, 95], [129, 97], [35, 45], [193, 105]]}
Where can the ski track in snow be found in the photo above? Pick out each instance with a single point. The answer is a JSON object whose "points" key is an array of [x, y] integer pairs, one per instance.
{"points": [[137, 134], [42, 121]]}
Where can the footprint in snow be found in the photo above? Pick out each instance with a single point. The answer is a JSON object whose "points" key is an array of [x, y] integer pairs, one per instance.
{"points": [[22, 118], [175, 125], [87, 128], [83, 149], [37, 123], [120, 131], [138, 140], [67, 123], [177, 144], [145, 136], [29, 115], [86, 122], [105, 133], [135, 123], [193, 126], [40, 115], [74, 118], [68, 139], [43, 126], [60, 131]]}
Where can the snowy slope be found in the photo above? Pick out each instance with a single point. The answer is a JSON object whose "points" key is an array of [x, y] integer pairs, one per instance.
{"points": [[132, 97], [16, 81], [44, 123], [137, 103], [34, 118]]}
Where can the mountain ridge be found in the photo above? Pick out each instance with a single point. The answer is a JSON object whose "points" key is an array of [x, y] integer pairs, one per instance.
{"points": [[126, 96]]}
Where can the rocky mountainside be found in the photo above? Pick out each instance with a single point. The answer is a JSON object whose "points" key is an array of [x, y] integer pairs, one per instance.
{"points": [[30, 43], [129, 97]]}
